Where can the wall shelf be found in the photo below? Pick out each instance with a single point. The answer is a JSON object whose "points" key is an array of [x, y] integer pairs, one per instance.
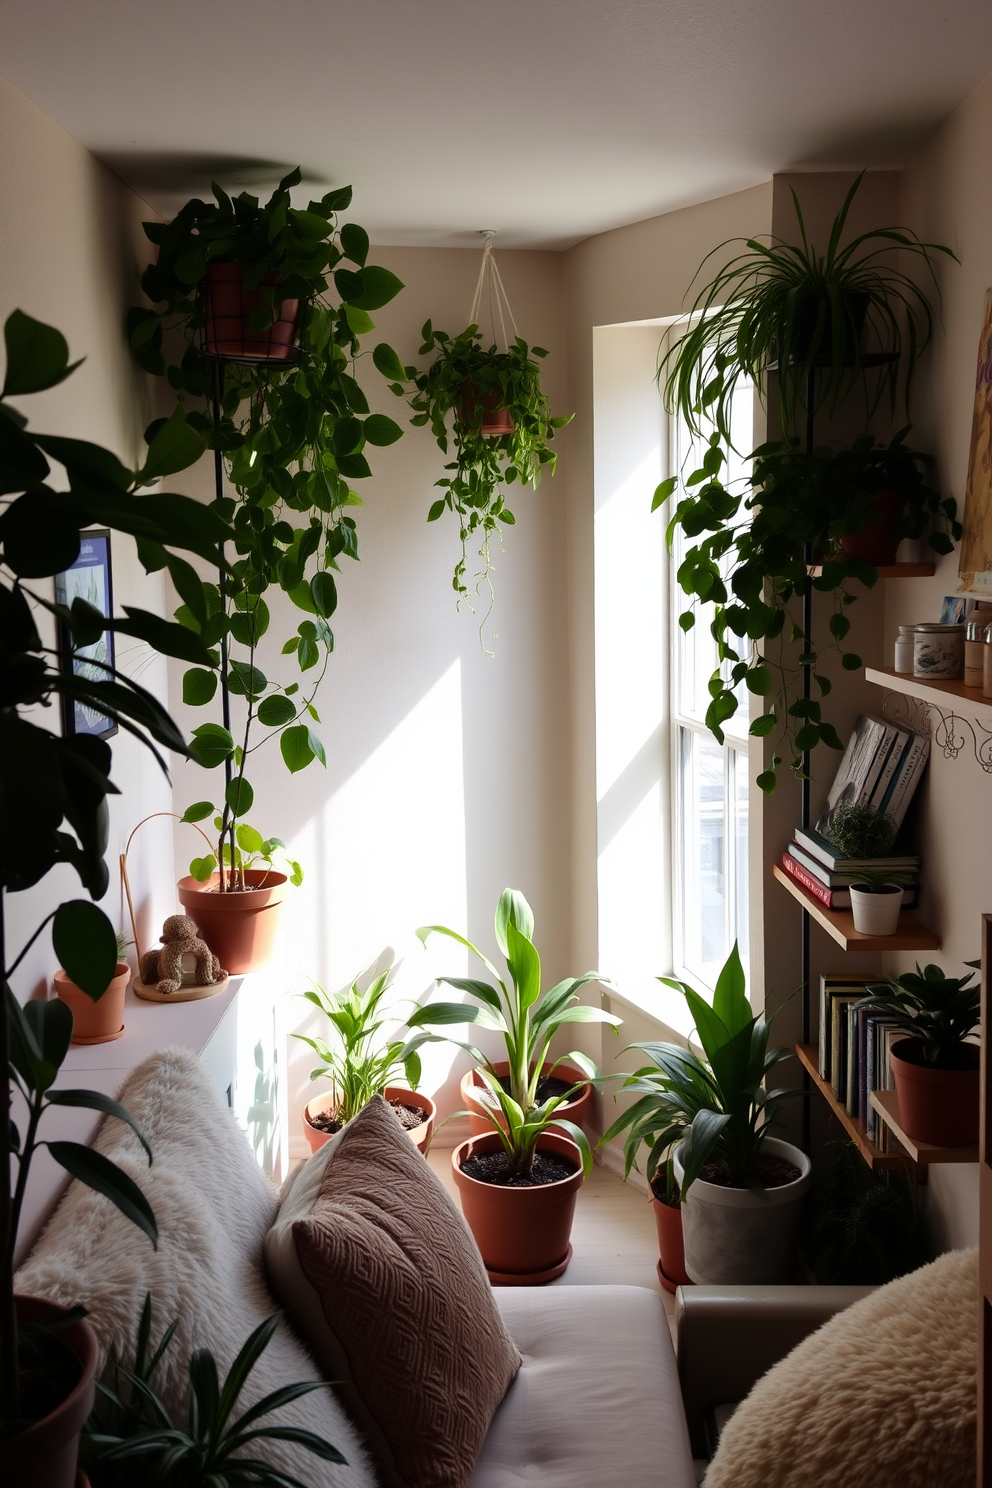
{"points": [[886, 1103], [889, 571], [809, 1058], [911, 935], [944, 695]]}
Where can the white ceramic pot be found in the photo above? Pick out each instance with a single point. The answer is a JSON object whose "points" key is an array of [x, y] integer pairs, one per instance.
{"points": [[876, 911], [732, 1237]]}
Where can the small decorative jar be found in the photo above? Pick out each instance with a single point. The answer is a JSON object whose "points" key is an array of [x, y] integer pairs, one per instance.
{"points": [[904, 649], [974, 654], [938, 652], [987, 663]]}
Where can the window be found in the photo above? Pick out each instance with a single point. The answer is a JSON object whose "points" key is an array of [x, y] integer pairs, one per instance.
{"points": [[709, 780]]}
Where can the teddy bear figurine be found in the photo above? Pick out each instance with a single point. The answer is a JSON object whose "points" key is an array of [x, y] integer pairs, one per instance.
{"points": [[179, 938]]}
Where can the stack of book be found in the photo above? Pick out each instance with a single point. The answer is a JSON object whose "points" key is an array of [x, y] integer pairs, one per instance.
{"points": [[854, 1049], [815, 863]]}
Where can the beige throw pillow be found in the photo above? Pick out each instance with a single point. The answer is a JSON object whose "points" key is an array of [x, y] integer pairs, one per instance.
{"points": [[382, 1278]]}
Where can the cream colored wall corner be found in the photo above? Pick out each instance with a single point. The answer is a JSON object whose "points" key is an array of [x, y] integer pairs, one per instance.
{"points": [[69, 250]]}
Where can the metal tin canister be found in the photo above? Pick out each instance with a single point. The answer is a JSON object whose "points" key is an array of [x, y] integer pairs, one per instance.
{"points": [[938, 651], [974, 654]]}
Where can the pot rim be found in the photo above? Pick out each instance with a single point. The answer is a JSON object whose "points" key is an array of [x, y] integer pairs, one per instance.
{"points": [[743, 1198], [396, 1089], [886, 889], [489, 1142], [39, 1432], [932, 1069], [272, 891], [63, 979]]}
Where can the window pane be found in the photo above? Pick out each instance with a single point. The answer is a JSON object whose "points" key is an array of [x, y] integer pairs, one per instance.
{"points": [[704, 881], [740, 805]]}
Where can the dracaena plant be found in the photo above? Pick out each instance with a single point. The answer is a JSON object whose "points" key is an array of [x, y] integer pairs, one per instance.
{"points": [[294, 436], [927, 1005], [54, 789], [528, 1021], [361, 1061], [717, 1106], [131, 1435]]}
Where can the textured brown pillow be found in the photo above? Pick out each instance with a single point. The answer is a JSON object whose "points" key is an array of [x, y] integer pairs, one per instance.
{"points": [[384, 1281]]}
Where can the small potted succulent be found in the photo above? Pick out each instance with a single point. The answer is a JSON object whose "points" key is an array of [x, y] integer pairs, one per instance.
{"points": [[518, 1182], [876, 900], [361, 1063], [936, 1070]]}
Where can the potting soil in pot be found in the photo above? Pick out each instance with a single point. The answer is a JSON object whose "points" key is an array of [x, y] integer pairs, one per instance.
{"points": [[770, 1171], [547, 1089], [493, 1167], [407, 1116]]}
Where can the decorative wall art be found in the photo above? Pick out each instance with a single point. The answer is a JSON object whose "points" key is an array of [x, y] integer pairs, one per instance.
{"points": [[975, 553], [89, 578]]}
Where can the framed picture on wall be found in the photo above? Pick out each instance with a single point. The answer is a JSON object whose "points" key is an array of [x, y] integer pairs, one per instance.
{"points": [[89, 578]]}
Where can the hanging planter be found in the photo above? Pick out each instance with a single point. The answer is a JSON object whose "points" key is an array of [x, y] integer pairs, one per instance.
{"points": [[241, 324]]}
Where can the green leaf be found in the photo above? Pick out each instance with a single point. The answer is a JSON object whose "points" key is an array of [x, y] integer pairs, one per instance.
{"points": [[94, 1100], [359, 323], [211, 745], [199, 687], [850, 662], [197, 812], [276, 711], [295, 746], [201, 868], [379, 286], [323, 592], [37, 355], [249, 839], [663, 491], [388, 363], [355, 243], [86, 945], [175, 446], [765, 781], [763, 726], [105, 1177], [380, 430], [239, 796]]}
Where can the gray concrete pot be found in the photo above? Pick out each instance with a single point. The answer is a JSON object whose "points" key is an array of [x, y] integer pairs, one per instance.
{"points": [[732, 1237]]}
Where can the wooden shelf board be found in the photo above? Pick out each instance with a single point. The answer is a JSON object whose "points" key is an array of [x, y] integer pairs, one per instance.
{"points": [[809, 1058], [889, 571], [946, 695], [886, 1103], [910, 936]]}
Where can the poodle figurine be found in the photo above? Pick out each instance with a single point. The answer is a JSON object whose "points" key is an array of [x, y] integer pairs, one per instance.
{"points": [[179, 938]]}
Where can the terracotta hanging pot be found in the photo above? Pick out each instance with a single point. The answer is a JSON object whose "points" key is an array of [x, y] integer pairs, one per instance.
{"points": [[395, 1094], [523, 1233], [484, 413], [472, 1086], [876, 542], [938, 1106], [95, 1022], [44, 1456], [227, 309], [671, 1266], [240, 926]]}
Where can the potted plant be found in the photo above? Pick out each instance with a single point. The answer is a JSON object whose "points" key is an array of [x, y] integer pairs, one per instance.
{"points": [[785, 307], [751, 561], [501, 428], [53, 792], [95, 1022], [858, 830], [936, 1070], [741, 1189], [518, 1182], [362, 1063], [876, 901], [291, 423]]}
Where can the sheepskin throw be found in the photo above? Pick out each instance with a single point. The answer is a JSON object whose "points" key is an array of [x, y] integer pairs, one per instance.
{"points": [[386, 1284], [882, 1396], [213, 1206]]}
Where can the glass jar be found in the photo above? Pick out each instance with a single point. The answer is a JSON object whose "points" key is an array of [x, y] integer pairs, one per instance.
{"points": [[904, 649]]}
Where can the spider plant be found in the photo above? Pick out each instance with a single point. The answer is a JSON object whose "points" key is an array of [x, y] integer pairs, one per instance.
{"points": [[528, 1021], [132, 1437], [784, 306], [360, 1063]]}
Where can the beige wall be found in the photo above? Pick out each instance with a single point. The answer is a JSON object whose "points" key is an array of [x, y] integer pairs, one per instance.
{"points": [[68, 231]]}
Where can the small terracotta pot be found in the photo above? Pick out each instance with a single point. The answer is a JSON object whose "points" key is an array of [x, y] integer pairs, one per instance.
{"points": [[938, 1106], [876, 542], [97, 1022], [227, 309], [419, 1135], [240, 927], [523, 1233], [496, 419], [479, 1124], [44, 1456], [671, 1266]]}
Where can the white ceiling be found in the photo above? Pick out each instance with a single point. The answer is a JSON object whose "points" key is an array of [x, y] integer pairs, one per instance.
{"points": [[546, 119]]}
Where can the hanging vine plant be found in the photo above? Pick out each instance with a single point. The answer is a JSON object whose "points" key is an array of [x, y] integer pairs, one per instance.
{"points": [[501, 424]]}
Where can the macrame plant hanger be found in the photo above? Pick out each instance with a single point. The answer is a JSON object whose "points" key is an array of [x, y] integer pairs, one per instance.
{"points": [[490, 294]]}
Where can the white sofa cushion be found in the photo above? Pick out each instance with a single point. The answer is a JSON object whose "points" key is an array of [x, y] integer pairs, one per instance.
{"points": [[596, 1403], [213, 1206]]}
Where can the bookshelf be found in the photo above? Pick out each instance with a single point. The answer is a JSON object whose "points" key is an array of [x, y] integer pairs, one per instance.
{"points": [[839, 923], [886, 1103], [809, 1058], [941, 694]]}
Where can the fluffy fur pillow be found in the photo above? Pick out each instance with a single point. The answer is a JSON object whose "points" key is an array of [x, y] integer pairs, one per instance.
{"points": [[213, 1206], [884, 1394]]}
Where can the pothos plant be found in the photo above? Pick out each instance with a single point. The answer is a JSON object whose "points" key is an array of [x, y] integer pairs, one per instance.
{"points": [[749, 561], [465, 381], [293, 436]]}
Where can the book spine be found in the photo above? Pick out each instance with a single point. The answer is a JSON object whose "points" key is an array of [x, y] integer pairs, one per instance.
{"points": [[887, 739], [893, 763], [818, 846], [903, 790], [824, 1046], [808, 880], [850, 1093]]}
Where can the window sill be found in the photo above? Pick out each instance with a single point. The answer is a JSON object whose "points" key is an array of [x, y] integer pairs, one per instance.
{"points": [[660, 1004]]}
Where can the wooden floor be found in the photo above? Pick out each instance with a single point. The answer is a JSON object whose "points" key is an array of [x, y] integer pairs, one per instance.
{"points": [[613, 1237]]}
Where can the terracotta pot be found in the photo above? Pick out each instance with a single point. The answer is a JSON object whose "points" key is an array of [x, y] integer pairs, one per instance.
{"points": [[671, 1266], [239, 928], [496, 419], [876, 911], [574, 1110], [44, 1456], [419, 1135], [227, 308], [523, 1233], [938, 1106], [95, 1022], [876, 542]]}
